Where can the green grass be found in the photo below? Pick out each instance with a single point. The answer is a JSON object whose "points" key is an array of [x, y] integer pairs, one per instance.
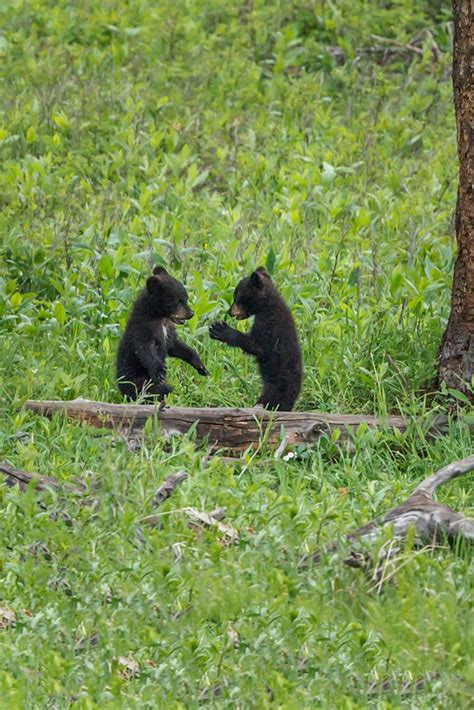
{"points": [[213, 137]]}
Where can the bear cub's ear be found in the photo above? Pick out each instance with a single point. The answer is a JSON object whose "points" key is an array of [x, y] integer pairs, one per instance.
{"points": [[160, 271], [153, 285], [258, 277]]}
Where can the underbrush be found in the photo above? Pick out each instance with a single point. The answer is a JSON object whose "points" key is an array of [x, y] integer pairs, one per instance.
{"points": [[214, 137]]}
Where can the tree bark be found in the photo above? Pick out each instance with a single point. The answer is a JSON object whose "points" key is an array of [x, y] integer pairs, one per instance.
{"points": [[456, 356], [224, 427]]}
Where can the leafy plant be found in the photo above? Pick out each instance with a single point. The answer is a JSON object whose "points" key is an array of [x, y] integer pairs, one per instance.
{"points": [[214, 137]]}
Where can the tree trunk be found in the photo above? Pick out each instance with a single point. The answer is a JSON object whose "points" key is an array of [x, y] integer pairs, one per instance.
{"points": [[456, 356]]}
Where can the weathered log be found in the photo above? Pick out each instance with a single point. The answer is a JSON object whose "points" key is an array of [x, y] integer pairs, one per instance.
{"points": [[432, 522], [168, 486], [224, 427], [17, 477]]}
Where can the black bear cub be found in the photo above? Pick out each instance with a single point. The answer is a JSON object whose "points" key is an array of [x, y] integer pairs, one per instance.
{"points": [[150, 335], [272, 339]]}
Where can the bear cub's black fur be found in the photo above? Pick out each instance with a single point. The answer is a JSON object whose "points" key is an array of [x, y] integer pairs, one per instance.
{"points": [[273, 339], [150, 336]]}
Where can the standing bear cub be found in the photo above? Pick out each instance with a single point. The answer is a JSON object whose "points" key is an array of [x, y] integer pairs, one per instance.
{"points": [[272, 339], [150, 335]]}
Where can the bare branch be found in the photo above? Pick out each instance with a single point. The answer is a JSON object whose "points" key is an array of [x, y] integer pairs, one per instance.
{"points": [[169, 485], [452, 470], [432, 521]]}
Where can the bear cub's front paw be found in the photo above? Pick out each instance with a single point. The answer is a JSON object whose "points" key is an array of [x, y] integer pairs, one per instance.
{"points": [[160, 376], [220, 331]]}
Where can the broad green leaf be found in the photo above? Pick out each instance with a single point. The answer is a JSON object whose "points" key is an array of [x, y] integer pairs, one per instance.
{"points": [[61, 120], [16, 299], [460, 396], [271, 260], [31, 134], [59, 312], [105, 266]]}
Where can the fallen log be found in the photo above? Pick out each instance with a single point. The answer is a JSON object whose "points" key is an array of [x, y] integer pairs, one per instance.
{"points": [[17, 477], [432, 522], [168, 486], [225, 427]]}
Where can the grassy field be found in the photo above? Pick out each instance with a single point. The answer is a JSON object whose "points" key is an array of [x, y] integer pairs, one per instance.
{"points": [[213, 137]]}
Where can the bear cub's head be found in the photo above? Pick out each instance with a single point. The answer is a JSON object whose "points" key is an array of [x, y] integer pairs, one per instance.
{"points": [[167, 296], [252, 294]]}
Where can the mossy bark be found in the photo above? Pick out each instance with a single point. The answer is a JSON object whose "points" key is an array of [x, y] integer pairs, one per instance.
{"points": [[456, 355]]}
